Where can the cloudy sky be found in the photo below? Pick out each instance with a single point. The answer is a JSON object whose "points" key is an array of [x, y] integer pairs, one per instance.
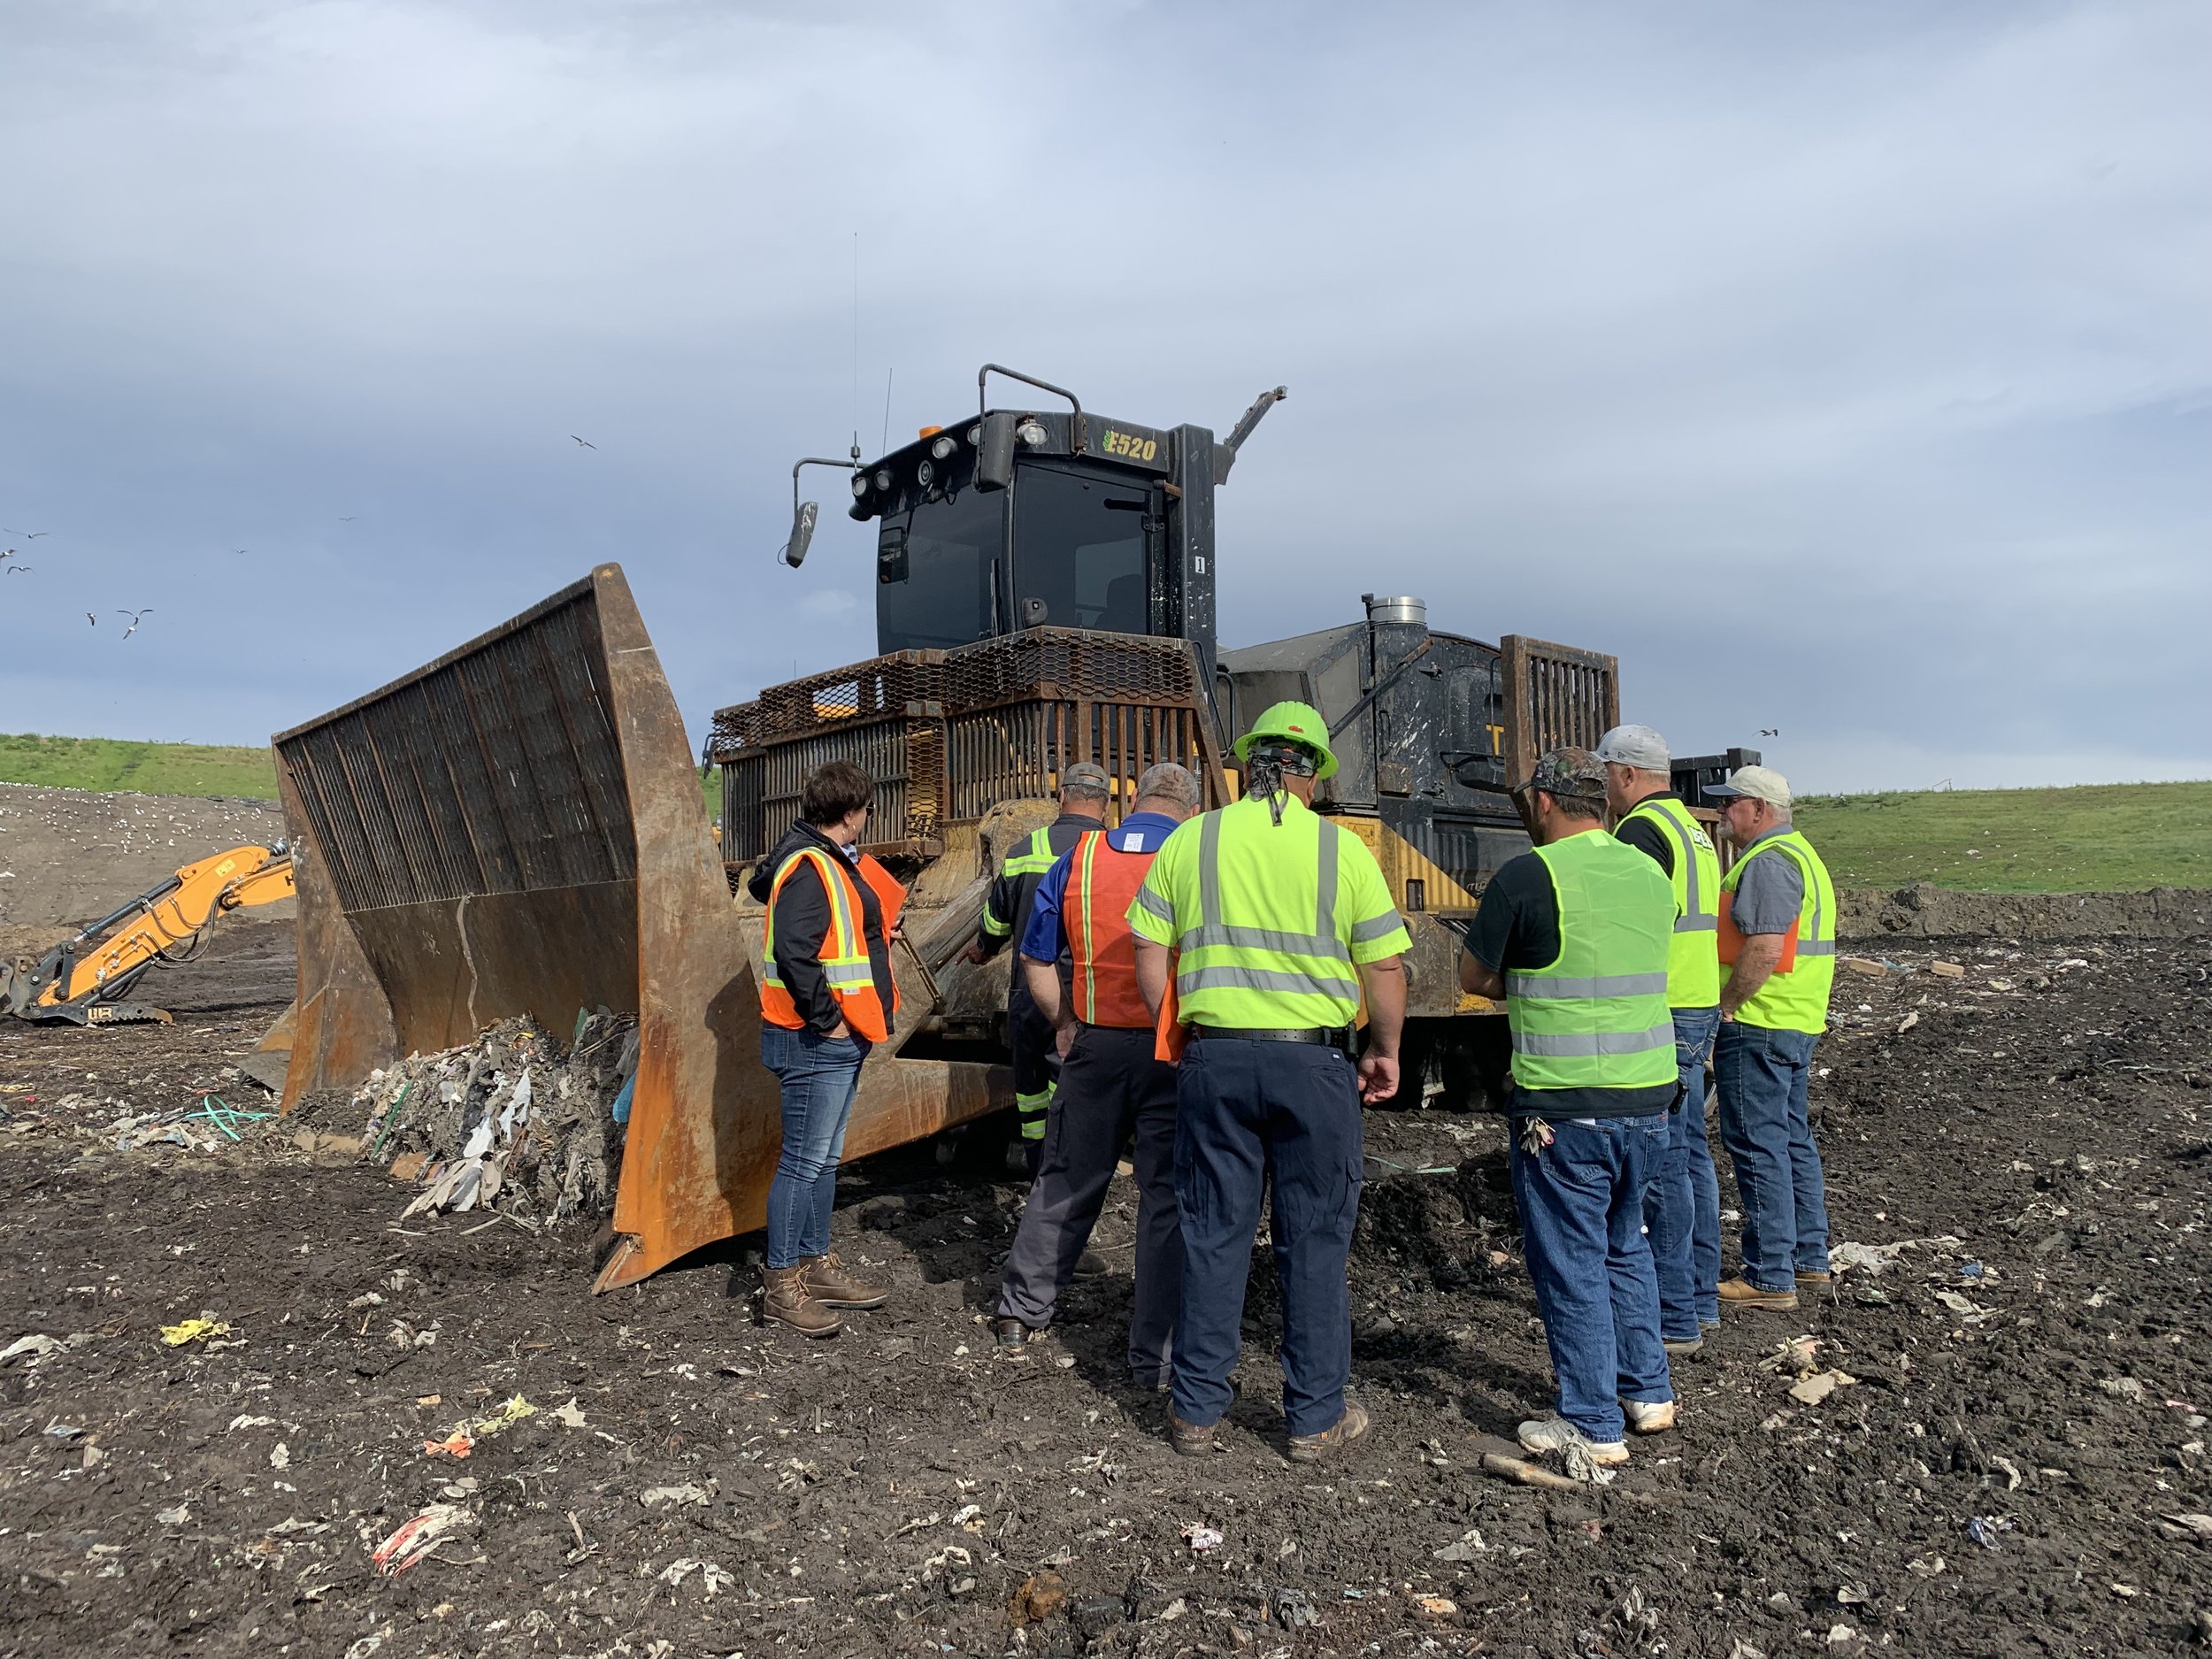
{"points": [[1846, 369]]}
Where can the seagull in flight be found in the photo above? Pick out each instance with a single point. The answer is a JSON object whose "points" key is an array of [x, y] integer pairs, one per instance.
{"points": [[1769, 731], [8, 553], [349, 518], [20, 570], [28, 535], [134, 616], [93, 620], [586, 442]]}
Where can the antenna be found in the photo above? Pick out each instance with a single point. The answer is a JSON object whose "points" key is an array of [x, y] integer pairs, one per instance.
{"points": [[855, 348], [887, 373]]}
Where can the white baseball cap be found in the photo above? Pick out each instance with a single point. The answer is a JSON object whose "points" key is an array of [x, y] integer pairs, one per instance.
{"points": [[1757, 783], [1636, 746]]}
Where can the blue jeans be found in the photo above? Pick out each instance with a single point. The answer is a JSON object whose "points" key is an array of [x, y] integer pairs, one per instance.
{"points": [[819, 1076], [1682, 1208], [1250, 1114], [1582, 1223], [1762, 1074]]}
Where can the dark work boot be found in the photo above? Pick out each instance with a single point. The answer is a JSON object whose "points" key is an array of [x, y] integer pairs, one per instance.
{"points": [[830, 1282], [1311, 1448], [784, 1299], [1188, 1439]]}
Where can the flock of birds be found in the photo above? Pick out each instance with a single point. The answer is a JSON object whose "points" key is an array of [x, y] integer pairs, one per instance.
{"points": [[136, 617]]}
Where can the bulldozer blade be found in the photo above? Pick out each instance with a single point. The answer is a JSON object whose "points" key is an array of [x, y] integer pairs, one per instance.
{"points": [[517, 828]]}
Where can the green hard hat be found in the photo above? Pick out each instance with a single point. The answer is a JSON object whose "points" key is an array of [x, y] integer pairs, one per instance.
{"points": [[1300, 724]]}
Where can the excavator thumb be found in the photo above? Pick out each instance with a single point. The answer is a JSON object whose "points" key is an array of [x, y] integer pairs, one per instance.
{"points": [[517, 828]]}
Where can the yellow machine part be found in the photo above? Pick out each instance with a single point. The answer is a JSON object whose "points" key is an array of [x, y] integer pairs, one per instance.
{"points": [[231, 880]]}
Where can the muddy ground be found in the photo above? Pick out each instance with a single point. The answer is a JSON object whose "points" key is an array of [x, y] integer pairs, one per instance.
{"points": [[2031, 1383]]}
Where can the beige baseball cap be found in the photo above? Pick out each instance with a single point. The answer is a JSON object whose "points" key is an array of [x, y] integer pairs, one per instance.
{"points": [[1757, 783]]}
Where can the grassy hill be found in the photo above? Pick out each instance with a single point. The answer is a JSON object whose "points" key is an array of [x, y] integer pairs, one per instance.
{"points": [[2091, 838], [108, 763]]}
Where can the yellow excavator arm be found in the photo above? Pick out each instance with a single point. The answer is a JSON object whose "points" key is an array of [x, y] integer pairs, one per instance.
{"points": [[83, 980]]}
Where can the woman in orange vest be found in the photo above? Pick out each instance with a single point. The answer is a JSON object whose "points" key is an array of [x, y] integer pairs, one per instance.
{"points": [[827, 997]]}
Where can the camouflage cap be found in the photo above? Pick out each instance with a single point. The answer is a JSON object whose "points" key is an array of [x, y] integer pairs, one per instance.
{"points": [[1569, 774]]}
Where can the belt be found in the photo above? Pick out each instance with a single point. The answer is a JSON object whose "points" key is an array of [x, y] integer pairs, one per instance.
{"points": [[1321, 1036]]}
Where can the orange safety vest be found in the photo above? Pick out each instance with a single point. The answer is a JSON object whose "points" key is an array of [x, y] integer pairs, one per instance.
{"points": [[843, 951], [1101, 886]]}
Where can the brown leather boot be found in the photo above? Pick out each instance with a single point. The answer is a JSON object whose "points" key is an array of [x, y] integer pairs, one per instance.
{"points": [[1311, 1448], [830, 1282], [784, 1299]]}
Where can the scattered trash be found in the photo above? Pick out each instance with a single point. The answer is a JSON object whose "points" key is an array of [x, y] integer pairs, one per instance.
{"points": [[280, 1455], [1927, 1566], [1861, 964], [243, 1422], [1042, 1596], [194, 1330], [1969, 1311], [1907, 1022], [1794, 1356], [1467, 1548], [1435, 1606], [569, 1417], [1983, 1531], [1814, 1389], [670, 1497], [465, 1433], [506, 1121], [36, 1345], [1201, 1537], [2128, 1590], [2188, 1527], [1584, 1467], [176, 1517], [1947, 970], [713, 1575], [2123, 1388], [2013, 1475], [1971, 1270], [417, 1537], [1291, 1609], [56, 1430]]}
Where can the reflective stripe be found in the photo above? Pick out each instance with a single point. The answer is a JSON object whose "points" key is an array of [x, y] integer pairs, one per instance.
{"points": [[1209, 870], [1155, 905], [1324, 917], [1265, 938], [1230, 976], [1698, 924], [1381, 927], [1541, 985], [1591, 1043], [1818, 948], [994, 926], [1086, 856]]}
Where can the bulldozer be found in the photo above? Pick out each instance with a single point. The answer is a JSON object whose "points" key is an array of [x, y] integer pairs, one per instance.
{"points": [[516, 827]]}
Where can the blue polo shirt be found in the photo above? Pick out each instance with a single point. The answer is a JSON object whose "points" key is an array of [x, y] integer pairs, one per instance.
{"points": [[1045, 939]]}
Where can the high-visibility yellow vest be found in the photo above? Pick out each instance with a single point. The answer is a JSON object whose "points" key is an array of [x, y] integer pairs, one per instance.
{"points": [[1267, 947], [1598, 1017], [1032, 857], [1797, 1000], [1694, 958]]}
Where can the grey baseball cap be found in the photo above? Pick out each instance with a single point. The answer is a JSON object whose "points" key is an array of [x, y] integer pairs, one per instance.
{"points": [[1757, 783], [1084, 778], [1573, 774], [1636, 746]]}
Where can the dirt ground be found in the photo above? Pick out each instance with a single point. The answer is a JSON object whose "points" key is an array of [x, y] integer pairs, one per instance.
{"points": [[2031, 1378]]}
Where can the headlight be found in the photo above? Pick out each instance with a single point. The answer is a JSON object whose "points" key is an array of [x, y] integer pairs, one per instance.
{"points": [[883, 477], [923, 472], [975, 436], [1031, 434], [860, 484], [942, 448]]}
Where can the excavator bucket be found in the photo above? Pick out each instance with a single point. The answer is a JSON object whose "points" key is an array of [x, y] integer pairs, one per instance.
{"points": [[518, 828]]}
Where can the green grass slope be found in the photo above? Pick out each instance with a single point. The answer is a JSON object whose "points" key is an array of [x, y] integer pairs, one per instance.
{"points": [[108, 763], [2091, 838]]}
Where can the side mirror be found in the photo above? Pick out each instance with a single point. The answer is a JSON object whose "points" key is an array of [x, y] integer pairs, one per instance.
{"points": [[794, 552], [1034, 613], [995, 452]]}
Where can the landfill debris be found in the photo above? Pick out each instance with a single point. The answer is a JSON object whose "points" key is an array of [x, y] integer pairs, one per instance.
{"points": [[1947, 970], [1042, 1596], [1814, 1389], [1968, 1310], [194, 1330], [465, 1433], [1291, 1609], [417, 1537], [570, 1416], [1526, 1473], [1201, 1537], [1908, 1022], [1467, 1548], [176, 1517], [280, 1455], [1927, 1566], [1583, 1466], [2123, 1388], [1861, 964], [36, 1345], [670, 1497], [1794, 1356], [2013, 1475], [508, 1121], [242, 1421], [712, 1574], [1984, 1530], [2188, 1527], [1435, 1606], [56, 1430]]}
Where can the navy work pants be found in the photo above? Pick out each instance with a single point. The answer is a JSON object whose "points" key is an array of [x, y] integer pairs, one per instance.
{"points": [[1763, 1074], [1249, 1115]]}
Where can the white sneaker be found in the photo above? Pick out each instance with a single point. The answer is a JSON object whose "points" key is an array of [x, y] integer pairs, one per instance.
{"points": [[1556, 1434], [1649, 1416]]}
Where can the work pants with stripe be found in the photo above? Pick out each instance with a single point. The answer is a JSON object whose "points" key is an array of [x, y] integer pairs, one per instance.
{"points": [[1111, 1090]]}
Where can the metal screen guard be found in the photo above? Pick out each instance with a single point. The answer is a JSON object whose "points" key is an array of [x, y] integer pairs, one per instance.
{"points": [[517, 828]]}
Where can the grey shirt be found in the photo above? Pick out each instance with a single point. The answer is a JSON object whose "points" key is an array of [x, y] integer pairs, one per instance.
{"points": [[1770, 893]]}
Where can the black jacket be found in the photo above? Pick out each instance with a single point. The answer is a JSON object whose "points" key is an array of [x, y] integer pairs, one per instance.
{"points": [[802, 921], [1011, 895]]}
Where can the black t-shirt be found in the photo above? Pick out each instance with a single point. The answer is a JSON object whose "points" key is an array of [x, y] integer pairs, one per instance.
{"points": [[1647, 837], [1518, 928]]}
